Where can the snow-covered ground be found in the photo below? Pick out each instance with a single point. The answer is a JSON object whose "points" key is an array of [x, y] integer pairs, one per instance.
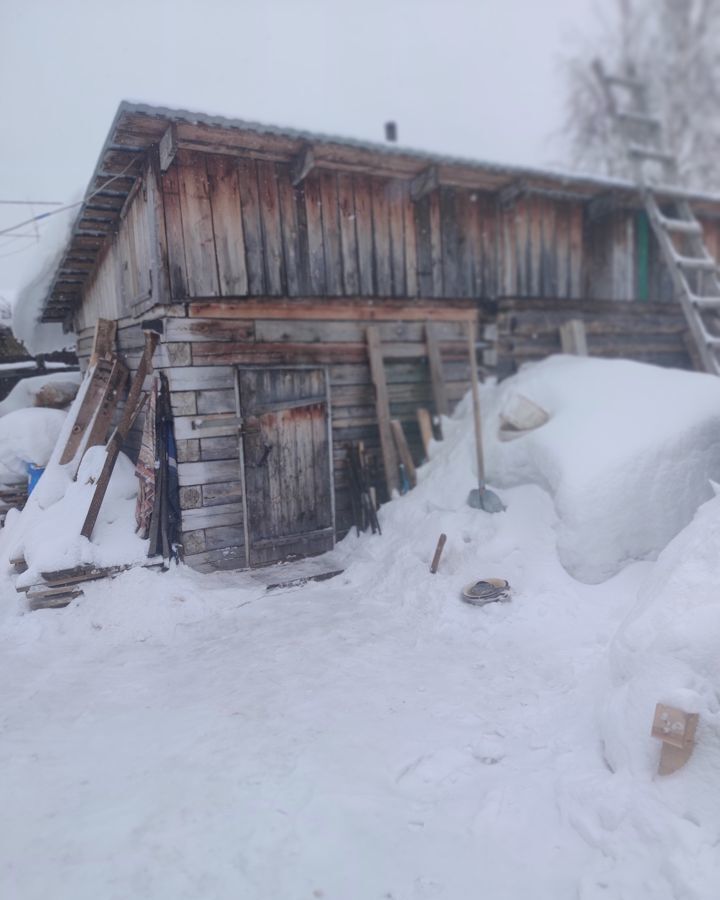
{"points": [[184, 736]]}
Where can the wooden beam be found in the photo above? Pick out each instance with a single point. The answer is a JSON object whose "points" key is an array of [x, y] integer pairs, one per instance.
{"points": [[346, 308], [302, 165], [387, 443], [167, 147], [425, 183], [442, 407], [426, 433], [572, 337], [103, 340], [401, 445]]}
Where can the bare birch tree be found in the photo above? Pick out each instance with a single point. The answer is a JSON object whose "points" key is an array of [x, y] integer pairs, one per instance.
{"points": [[674, 46]]}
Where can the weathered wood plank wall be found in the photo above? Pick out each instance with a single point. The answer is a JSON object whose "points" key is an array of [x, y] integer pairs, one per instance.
{"points": [[529, 330], [131, 275], [239, 228], [203, 344]]}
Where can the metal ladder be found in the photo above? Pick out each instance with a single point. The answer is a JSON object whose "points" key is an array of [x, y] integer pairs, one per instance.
{"points": [[692, 267]]}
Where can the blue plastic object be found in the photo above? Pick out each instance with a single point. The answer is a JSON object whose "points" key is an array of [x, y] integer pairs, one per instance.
{"points": [[34, 473]]}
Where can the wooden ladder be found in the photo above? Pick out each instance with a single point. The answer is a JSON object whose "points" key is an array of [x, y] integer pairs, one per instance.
{"points": [[693, 269]]}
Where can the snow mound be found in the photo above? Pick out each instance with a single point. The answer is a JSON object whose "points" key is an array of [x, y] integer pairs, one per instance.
{"points": [[627, 455], [27, 436], [47, 534], [666, 651], [26, 390]]}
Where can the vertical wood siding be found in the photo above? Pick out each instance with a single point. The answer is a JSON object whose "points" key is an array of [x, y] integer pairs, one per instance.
{"points": [[132, 271], [238, 227]]}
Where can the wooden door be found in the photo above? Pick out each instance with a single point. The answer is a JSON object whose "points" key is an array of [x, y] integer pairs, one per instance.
{"points": [[286, 461]]}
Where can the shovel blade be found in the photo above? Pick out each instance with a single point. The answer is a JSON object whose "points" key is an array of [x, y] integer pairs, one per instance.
{"points": [[486, 500]]}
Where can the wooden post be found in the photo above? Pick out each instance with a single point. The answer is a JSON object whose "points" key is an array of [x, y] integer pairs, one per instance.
{"points": [[476, 406], [426, 432], [103, 340], [438, 553], [133, 405], [403, 450], [572, 337], [387, 444], [442, 407]]}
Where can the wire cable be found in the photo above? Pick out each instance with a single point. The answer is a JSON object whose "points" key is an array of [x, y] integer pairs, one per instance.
{"points": [[54, 212]]}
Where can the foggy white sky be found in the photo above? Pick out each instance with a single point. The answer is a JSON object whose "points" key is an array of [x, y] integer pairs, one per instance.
{"points": [[478, 78]]}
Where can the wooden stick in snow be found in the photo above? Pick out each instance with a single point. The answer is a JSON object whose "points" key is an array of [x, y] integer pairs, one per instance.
{"points": [[438, 553]]}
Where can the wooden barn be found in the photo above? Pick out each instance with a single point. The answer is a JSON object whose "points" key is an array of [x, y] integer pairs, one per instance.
{"points": [[298, 277]]}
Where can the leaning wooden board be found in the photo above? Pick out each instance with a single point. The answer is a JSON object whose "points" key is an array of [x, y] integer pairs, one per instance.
{"points": [[387, 441]]}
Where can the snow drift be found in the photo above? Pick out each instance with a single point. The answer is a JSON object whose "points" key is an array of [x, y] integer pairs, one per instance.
{"points": [[627, 455], [49, 536], [667, 651], [379, 736]]}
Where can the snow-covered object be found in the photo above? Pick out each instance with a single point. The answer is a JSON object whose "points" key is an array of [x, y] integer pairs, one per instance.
{"points": [[26, 391], [48, 536], [667, 651], [27, 436], [518, 416], [627, 455]]}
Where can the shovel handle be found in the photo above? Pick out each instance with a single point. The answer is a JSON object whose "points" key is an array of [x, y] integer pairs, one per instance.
{"points": [[476, 405]]}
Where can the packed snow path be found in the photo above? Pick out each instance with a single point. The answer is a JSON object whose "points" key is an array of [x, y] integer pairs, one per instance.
{"points": [[174, 736], [190, 737]]}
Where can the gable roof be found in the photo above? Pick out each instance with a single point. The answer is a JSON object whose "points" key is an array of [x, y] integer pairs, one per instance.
{"points": [[138, 127]]}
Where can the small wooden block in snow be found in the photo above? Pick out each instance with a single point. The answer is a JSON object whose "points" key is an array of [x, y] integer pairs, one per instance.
{"points": [[676, 729]]}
